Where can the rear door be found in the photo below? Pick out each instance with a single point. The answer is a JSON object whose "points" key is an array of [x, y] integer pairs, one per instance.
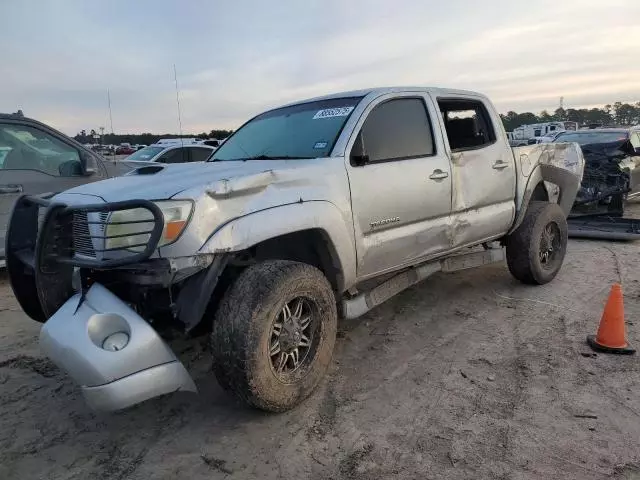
{"points": [[400, 181], [483, 170], [35, 161]]}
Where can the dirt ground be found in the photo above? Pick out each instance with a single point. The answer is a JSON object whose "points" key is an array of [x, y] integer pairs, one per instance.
{"points": [[465, 376]]}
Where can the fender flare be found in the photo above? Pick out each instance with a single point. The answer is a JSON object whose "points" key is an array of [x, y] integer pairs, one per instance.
{"points": [[248, 230], [567, 181]]}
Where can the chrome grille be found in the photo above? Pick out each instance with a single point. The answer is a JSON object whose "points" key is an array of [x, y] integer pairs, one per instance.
{"points": [[82, 243], [82, 237]]}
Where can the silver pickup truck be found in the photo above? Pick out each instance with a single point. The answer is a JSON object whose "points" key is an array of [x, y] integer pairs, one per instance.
{"points": [[314, 210]]}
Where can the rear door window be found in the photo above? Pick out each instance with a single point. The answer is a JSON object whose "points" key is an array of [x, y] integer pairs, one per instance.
{"points": [[467, 124]]}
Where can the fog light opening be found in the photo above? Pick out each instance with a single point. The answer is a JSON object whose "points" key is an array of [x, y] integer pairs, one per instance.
{"points": [[115, 342]]}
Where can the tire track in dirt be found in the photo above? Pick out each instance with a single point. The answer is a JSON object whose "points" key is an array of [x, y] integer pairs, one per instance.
{"points": [[383, 456], [552, 363]]}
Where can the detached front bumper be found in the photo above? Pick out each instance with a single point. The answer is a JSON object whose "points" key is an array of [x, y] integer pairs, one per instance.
{"points": [[137, 367]]}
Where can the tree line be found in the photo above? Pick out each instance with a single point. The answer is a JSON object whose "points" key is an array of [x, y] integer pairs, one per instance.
{"points": [[617, 114], [91, 136]]}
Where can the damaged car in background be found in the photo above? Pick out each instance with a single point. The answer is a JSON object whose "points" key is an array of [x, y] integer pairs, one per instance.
{"points": [[611, 170], [314, 210]]}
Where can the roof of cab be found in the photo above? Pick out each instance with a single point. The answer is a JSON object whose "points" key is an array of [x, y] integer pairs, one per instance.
{"points": [[385, 90], [16, 116]]}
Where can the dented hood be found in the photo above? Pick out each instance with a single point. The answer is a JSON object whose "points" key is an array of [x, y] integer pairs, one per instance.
{"points": [[158, 181]]}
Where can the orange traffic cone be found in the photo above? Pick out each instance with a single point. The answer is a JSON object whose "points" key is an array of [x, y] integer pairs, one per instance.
{"points": [[611, 337]]}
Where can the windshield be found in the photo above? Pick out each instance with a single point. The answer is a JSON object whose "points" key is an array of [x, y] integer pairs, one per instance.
{"points": [[593, 136], [145, 154], [306, 130]]}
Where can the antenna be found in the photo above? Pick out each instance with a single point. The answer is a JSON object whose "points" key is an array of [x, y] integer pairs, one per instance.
{"points": [[175, 78], [110, 117]]}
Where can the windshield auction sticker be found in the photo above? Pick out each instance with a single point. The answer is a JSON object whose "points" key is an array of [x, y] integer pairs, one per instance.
{"points": [[333, 112]]}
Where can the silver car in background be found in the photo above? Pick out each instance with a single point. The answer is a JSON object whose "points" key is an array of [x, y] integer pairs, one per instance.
{"points": [[177, 152]]}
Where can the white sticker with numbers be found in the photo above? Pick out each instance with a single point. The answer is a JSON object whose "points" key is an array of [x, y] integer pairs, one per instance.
{"points": [[333, 112]]}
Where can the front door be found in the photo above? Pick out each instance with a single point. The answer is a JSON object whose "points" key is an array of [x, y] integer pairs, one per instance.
{"points": [[32, 162], [400, 181], [483, 170], [174, 155]]}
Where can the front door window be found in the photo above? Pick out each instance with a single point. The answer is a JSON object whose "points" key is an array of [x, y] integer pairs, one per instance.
{"points": [[27, 148]]}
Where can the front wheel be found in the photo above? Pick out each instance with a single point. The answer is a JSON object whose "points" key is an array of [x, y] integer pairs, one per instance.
{"points": [[274, 333], [536, 249]]}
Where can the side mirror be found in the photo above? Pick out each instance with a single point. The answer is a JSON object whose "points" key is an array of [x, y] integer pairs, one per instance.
{"points": [[637, 150], [89, 164]]}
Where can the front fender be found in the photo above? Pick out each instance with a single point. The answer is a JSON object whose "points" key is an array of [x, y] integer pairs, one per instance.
{"points": [[249, 230]]}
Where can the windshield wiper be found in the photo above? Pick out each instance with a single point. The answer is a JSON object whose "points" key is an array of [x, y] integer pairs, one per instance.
{"points": [[259, 157], [277, 157]]}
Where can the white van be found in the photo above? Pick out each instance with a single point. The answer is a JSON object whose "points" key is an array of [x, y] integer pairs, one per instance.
{"points": [[528, 134]]}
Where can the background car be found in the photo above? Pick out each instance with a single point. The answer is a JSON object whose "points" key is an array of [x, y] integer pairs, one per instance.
{"points": [[172, 153], [612, 167], [125, 150]]}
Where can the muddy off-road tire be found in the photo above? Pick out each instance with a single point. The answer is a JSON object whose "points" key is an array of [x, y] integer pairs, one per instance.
{"points": [[273, 334], [536, 249]]}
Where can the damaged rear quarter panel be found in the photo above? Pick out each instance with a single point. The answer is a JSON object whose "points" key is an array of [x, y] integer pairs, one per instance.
{"points": [[555, 164]]}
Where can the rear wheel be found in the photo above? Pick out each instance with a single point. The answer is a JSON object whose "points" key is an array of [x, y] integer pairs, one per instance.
{"points": [[274, 333], [536, 249]]}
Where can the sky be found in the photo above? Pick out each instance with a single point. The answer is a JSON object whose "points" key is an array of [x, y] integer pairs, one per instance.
{"points": [[236, 59]]}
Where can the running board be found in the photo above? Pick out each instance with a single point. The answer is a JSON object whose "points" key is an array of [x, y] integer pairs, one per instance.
{"points": [[362, 303]]}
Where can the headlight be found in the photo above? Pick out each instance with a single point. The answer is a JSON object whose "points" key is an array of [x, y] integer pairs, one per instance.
{"points": [[122, 234]]}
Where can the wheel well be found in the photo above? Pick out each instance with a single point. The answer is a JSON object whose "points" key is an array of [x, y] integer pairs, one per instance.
{"points": [[312, 247], [307, 246], [540, 193]]}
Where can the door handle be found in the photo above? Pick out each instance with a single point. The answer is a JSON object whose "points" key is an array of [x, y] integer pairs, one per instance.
{"points": [[10, 189], [438, 174], [499, 165]]}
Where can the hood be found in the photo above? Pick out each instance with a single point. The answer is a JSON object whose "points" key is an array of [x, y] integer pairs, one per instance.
{"points": [[156, 181]]}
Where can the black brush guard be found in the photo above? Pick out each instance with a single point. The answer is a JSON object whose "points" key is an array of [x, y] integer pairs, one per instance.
{"points": [[40, 258]]}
